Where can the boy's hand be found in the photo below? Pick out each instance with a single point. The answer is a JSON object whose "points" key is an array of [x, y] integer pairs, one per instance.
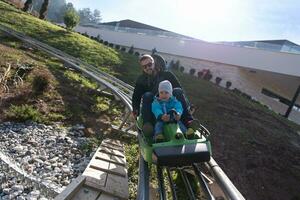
{"points": [[165, 117], [177, 117]]}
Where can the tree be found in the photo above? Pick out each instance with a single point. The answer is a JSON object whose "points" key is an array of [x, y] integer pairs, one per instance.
{"points": [[200, 74], [218, 80], [27, 5], [71, 19], [131, 50], [181, 69], [85, 15], [70, 6], [96, 17], [44, 9], [228, 84], [176, 65], [192, 71]]}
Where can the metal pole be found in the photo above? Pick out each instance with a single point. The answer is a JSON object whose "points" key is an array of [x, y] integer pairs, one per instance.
{"points": [[203, 183], [162, 193], [143, 183], [187, 184], [172, 185], [292, 103], [125, 120], [224, 182]]}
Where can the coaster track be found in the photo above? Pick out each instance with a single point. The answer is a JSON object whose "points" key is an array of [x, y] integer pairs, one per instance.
{"points": [[123, 92]]}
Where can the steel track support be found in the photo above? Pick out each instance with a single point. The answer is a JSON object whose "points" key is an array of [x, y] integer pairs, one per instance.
{"points": [[172, 185], [143, 183], [187, 184], [203, 183], [160, 177]]}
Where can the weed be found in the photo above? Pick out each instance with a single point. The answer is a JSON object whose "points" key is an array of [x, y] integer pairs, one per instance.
{"points": [[82, 80], [40, 83], [24, 112]]}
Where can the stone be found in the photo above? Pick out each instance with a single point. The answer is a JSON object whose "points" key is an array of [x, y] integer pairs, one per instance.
{"points": [[6, 191], [18, 148], [18, 188]]}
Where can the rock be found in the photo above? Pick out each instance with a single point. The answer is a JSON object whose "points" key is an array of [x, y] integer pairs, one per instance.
{"points": [[65, 170], [53, 160], [18, 148], [65, 182], [18, 188], [34, 193], [88, 132], [21, 198], [6, 191]]}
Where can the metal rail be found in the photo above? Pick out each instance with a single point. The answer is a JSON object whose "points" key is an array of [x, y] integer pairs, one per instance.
{"points": [[123, 91]]}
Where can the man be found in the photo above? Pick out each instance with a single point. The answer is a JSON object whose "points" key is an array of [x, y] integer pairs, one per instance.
{"points": [[147, 86]]}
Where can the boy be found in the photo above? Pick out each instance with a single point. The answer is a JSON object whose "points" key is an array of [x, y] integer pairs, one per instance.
{"points": [[166, 107]]}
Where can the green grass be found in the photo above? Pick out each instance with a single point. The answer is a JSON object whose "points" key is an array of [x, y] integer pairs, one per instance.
{"points": [[84, 82], [70, 42], [24, 113]]}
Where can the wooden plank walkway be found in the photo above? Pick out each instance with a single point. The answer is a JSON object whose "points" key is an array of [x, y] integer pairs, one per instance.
{"points": [[105, 178]]}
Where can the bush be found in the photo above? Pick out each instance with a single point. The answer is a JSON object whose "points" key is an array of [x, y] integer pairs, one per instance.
{"points": [[24, 113], [131, 50], [192, 71], [71, 19], [176, 65], [117, 47], [105, 43], [200, 74], [171, 65], [181, 69], [207, 75], [101, 41], [218, 80], [137, 53], [111, 45], [123, 49], [40, 83], [228, 84]]}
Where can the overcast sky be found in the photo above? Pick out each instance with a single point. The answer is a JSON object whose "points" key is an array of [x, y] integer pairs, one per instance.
{"points": [[210, 20]]}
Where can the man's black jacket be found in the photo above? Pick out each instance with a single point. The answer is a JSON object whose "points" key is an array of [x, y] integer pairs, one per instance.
{"points": [[149, 83]]}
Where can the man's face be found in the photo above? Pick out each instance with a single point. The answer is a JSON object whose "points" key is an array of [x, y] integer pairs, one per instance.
{"points": [[147, 65]]}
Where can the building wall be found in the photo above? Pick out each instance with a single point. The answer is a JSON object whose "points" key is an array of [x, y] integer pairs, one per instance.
{"points": [[285, 63], [248, 80]]}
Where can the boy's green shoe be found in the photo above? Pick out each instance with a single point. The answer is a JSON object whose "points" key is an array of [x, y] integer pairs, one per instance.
{"points": [[159, 137], [190, 133]]}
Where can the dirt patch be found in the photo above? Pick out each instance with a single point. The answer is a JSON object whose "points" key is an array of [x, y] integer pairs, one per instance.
{"points": [[256, 148]]}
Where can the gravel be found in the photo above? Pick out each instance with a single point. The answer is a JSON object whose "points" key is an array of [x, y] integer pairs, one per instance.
{"points": [[50, 153]]}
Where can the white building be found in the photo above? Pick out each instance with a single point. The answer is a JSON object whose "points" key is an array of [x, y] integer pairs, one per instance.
{"points": [[249, 69]]}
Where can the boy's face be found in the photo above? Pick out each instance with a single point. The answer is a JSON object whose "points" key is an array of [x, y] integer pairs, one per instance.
{"points": [[163, 95]]}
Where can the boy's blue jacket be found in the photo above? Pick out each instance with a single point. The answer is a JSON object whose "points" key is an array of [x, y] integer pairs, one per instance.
{"points": [[160, 107]]}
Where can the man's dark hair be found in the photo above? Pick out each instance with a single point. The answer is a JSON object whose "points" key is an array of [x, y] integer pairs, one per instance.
{"points": [[160, 62]]}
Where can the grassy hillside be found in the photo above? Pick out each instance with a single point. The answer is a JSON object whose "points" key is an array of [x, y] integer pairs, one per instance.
{"points": [[70, 42], [258, 149]]}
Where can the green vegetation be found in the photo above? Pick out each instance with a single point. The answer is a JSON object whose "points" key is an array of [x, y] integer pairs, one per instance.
{"points": [[71, 19], [40, 83], [84, 82], [72, 43], [24, 113]]}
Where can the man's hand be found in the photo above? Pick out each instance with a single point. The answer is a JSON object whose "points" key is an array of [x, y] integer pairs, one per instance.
{"points": [[177, 117], [134, 115], [165, 117]]}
